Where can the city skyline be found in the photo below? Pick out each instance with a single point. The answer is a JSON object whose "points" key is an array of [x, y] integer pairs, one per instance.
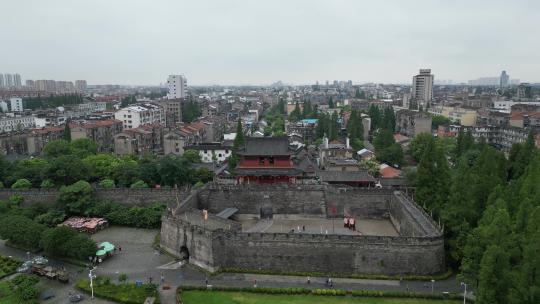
{"points": [[260, 43]]}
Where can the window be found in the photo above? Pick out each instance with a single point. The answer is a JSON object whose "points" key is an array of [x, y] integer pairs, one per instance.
{"points": [[261, 160]]}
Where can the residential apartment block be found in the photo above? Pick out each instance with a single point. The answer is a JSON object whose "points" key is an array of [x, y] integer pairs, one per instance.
{"points": [[135, 116]]}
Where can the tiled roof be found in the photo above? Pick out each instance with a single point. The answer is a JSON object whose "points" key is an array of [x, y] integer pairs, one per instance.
{"points": [[265, 146], [345, 176]]}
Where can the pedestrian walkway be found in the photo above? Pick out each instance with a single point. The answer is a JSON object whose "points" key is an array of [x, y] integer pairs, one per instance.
{"points": [[167, 296], [261, 226]]}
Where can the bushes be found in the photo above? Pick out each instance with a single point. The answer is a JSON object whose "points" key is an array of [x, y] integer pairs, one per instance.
{"points": [[22, 183], [8, 266], [441, 276], [140, 217], [47, 184], [123, 293], [51, 218], [327, 292], [107, 184], [139, 185]]}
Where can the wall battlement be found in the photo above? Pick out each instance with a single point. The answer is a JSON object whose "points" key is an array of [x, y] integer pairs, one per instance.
{"points": [[131, 197]]}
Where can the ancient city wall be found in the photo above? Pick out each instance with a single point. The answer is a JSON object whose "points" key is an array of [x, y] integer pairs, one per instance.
{"points": [[418, 250], [308, 200], [135, 197], [329, 253]]}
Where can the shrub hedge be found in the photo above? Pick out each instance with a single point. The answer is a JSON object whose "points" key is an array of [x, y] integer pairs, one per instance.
{"points": [[326, 292], [127, 293], [8, 266], [438, 277]]}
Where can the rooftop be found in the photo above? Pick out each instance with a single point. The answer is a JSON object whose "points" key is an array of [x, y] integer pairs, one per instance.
{"points": [[265, 146]]}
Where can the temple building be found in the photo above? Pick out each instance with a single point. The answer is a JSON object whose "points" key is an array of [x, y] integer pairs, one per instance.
{"points": [[266, 160]]}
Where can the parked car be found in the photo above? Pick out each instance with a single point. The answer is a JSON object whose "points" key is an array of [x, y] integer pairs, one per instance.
{"points": [[74, 298]]}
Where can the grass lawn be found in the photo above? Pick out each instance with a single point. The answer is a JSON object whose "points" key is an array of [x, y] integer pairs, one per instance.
{"points": [[227, 297], [7, 295], [8, 266]]}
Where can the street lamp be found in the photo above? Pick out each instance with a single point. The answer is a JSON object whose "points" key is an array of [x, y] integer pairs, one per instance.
{"points": [[91, 280], [432, 285], [464, 292]]}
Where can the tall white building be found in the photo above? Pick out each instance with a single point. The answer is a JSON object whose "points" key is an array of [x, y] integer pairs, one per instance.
{"points": [[17, 80], [16, 104], [177, 85], [504, 80], [135, 116], [422, 88], [8, 78], [80, 85], [1, 80]]}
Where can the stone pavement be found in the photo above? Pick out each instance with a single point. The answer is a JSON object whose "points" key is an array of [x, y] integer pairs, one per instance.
{"points": [[141, 262]]}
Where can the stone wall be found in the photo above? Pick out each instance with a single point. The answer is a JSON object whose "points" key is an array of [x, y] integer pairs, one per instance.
{"points": [[132, 197], [308, 200], [418, 250], [329, 253]]}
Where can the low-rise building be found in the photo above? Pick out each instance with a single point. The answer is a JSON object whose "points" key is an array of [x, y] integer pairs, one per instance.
{"points": [[17, 123], [212, 152], [147, 139], [412, 123], [334, 151], [135, 116], [101, 132]]}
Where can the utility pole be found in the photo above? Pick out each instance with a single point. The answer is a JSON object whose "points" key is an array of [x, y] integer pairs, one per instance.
{"points": [[91, 280], [464, 292]]}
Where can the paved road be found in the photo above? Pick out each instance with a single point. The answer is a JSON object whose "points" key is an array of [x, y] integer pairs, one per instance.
{"points": [[141, 262]]}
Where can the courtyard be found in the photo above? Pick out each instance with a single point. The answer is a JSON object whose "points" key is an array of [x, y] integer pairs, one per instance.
{"points": [[298, 224]]}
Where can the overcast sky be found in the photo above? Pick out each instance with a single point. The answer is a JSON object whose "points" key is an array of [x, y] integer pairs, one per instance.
{"points": [[262, 41]]}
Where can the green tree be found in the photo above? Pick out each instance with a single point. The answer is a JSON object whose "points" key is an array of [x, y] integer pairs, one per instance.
{"points": [[439, 120], [30, 169], [22, 183], [239, 140], [375, 116], [57, 148], [139, 185], [355, 127], [126, 173], [47, 184], [101, 166], [494, 280], [66, 169], [21, 231], [63, 241], [331, 104], [5, 168], [51, 218], [174, 170], [296, 114], [191, 110], [107, 184], [520, 155], [83, 147], [418, 144], [192, 156], [432, 178], [67, 132], [76, 198]]}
